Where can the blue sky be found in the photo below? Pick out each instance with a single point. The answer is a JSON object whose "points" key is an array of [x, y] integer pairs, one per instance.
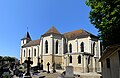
{"points": [[39, 16]]}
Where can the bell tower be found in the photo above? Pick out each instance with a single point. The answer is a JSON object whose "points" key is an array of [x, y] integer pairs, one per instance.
{"points": [[25, 39]]}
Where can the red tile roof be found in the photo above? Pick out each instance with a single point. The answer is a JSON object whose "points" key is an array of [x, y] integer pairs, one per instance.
{"points": [[52, 30], [77, 34], [32, 43]]}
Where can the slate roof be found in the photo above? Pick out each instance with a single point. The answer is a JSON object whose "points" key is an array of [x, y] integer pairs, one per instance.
{"points": [[27, 35], [52, 30], [109, 50], [78, 34], [32, 43]]}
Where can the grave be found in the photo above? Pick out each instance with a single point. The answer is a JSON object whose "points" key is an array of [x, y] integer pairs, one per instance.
{"points": [[28, 75], [48, 64], [69, 72]]}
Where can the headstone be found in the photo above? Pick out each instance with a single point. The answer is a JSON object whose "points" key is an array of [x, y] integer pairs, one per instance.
{"points": [[48, 64], [53, 68], [38, 63], [27, 75], [69, 72], [41, 65]]}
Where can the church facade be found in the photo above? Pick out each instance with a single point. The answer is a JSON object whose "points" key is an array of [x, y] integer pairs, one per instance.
{"points": [[78, 48]]}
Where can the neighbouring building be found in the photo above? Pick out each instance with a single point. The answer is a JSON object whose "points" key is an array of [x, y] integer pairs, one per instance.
{"points": [[78, 48], [110, 61]]}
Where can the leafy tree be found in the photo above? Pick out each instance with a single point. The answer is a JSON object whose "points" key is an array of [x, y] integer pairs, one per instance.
{"points": [[10, 59], [105, 16]]}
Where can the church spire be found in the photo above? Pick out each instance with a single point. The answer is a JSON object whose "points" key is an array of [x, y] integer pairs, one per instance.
{"points": [[27, 36], [25, 39]]}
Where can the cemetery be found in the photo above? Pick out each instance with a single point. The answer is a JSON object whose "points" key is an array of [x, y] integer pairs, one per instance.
{"points": [[26, 71]]}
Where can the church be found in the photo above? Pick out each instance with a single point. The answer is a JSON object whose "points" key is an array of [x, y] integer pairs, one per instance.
{"points": [[77, 48]]}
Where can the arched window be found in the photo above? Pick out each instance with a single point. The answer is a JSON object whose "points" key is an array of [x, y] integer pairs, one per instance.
{"points": [[46, 46], [70, 59], [79, 59], [82, 47], [24, 53], [34, 52], [29, 52], [70, 48], [57, 47], [93, 49]]}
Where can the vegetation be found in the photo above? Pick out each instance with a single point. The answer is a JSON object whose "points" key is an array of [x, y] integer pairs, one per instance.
{"points": [[105, 16], [6, 62]]}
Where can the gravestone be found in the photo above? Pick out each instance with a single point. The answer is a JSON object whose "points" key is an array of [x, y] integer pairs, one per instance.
{"points": [[53, 68], [41, 65], [48, 64], [27, 75], [38, 63], [69, 72]]}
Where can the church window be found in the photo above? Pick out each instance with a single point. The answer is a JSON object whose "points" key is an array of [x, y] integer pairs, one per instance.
{"points": [[24, 53], [79, 59], [34, 52], [57, 47], [82, 47], [46, 46], [70, 48], [108, 62], [23, 41], [93, 49], [29, 52], [70, 59]]}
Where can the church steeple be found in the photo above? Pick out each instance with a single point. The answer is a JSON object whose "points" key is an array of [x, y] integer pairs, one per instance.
{"points": [[27, 36], [25, 39]]}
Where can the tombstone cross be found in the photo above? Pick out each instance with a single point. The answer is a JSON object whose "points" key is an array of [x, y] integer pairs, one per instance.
{"points": [[28, 66], [48, 67]]}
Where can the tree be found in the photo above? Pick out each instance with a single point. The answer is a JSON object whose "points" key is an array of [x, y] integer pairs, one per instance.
{"points": [[105, 16]]}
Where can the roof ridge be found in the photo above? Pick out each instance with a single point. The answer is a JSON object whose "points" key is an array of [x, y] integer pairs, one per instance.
{"points": [[75, 30]]}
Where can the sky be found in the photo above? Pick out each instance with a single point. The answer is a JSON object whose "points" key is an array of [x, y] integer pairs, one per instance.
{"points": [[39, 16]]}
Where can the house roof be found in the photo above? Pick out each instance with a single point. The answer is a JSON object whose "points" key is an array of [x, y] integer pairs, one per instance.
{"points": [[78, 34], [32, 43], [52, 30], [27, 35], [109, 50]]}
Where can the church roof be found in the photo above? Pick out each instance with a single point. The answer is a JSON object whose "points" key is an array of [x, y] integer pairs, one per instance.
{"points": [[52, 30], [78, 34], [27, 35], [32, 43]]}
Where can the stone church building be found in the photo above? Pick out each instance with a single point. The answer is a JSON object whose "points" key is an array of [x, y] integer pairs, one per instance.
{"points": [[78, 48]]}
